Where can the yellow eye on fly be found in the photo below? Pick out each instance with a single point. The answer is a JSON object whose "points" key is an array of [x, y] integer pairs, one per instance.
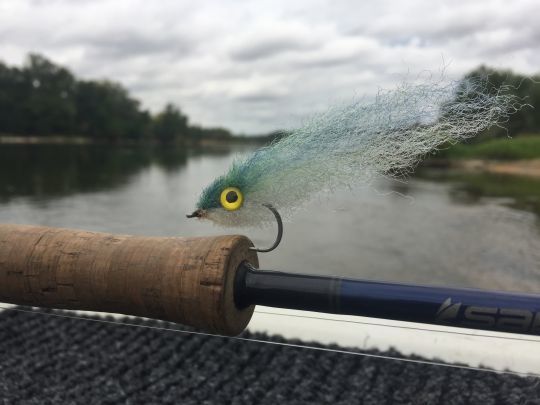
{"points": [[231, 198]]}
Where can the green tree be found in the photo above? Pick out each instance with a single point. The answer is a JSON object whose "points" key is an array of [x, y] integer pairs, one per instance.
{"points": [[37, 99], [47, 98], [527, 89], [170, 125], [10, 108], [104, 109]]}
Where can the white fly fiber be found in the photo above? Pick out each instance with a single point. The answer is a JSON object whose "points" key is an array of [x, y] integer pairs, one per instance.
{"points": [[354, 143]]}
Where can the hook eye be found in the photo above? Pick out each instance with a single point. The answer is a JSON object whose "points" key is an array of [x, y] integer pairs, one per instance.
{"points": [[279, 234]]}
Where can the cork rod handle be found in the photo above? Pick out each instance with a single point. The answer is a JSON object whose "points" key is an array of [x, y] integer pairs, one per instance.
{"points": [[184, 280]]}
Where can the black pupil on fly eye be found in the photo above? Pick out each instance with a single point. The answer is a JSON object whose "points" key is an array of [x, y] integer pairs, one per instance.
{"points": [[231, 197]]}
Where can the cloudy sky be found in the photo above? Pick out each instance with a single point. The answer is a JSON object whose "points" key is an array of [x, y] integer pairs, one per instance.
{"points": [[255, 66]]}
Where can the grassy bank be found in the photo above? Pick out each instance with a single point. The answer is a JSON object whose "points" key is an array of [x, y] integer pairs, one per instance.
{"points": [[517, 148]]}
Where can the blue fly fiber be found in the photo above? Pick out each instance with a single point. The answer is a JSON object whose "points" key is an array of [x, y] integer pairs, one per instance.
{"points": [[354, 143]]}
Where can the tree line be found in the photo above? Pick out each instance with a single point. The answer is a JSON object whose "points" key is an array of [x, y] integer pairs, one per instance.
{"points": [[525, 88], [44, 99]]}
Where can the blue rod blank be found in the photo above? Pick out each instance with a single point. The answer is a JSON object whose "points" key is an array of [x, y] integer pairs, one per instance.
{"points": [[458, 307]]}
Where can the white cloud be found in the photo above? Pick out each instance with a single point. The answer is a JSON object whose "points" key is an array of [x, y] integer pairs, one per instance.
{"points": [[258, 66]]}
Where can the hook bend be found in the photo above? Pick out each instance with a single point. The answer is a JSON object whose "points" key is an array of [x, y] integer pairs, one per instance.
{"points": [[279, 234]]}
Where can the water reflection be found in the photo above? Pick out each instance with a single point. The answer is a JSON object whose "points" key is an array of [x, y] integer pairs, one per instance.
{"points": [[46, 171], [520, 192]]}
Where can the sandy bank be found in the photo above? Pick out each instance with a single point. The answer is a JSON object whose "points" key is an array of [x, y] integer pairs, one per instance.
{"points": [[515, 167]]}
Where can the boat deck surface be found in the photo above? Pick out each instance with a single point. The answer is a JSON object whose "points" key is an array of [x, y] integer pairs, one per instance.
{"points": [[58, 360]]}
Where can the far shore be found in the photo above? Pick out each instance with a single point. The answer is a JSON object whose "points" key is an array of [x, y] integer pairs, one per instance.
{"points": [[53, 140], [525, 167], [81, 140]]}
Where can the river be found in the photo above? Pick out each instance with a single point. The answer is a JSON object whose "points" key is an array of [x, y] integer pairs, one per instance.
{"points": [[459, 229]]}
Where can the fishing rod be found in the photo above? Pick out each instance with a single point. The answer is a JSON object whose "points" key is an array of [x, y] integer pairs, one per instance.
{"points": [[213, 284]]}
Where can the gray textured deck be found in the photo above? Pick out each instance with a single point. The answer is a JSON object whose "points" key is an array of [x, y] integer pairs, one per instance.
{"points": [[54, 360]]}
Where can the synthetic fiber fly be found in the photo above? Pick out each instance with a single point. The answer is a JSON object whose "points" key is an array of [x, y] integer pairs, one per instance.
{"points": [[355, 143]]}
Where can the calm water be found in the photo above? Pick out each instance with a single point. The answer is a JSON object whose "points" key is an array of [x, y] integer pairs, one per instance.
{"points": [[438, 228]]}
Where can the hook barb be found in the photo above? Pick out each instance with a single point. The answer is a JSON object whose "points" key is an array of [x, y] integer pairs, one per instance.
{"points": [[279, 234]]}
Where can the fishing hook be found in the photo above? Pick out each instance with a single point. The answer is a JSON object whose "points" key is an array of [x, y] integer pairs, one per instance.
{"points": [[279, 233]]}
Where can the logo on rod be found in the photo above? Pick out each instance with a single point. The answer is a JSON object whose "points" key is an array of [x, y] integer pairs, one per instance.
{"points": [[503, 319]]}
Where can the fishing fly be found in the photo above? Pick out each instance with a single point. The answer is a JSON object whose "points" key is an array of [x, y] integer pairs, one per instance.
{"points": [[351, 144]]}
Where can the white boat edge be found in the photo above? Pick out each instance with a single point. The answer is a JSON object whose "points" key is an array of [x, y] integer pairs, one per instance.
{"points": [[474, 348]]}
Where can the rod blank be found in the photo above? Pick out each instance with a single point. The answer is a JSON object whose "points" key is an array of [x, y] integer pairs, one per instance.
{"points": [[458, 307]]}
